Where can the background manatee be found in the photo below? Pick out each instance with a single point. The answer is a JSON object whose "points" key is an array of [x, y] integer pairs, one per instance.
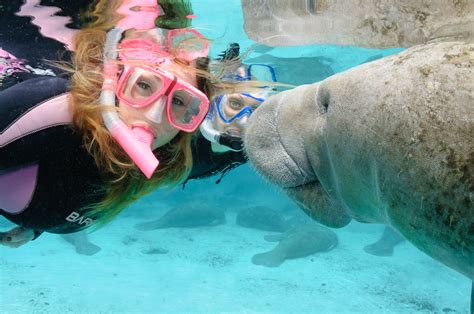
{"points": [[299, 241], [263, 218], [186, 216], [369, 23]]}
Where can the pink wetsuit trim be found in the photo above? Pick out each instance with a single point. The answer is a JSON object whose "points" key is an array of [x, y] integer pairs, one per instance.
{"points": [[54, 111], [17, 187]]}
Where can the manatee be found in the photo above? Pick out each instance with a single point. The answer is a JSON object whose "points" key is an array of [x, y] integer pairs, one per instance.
{"points": [[298, 241], [186, 216], [263, 218], [387, 142]]}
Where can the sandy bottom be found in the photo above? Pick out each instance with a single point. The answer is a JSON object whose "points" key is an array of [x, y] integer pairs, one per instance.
{"points": [[209, 269]]}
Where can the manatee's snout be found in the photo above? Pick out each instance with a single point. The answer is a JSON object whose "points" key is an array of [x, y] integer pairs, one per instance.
{"points": [[274, 142]]}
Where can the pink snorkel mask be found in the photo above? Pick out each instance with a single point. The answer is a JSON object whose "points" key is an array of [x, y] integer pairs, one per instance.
{"points": [[137, 141]]}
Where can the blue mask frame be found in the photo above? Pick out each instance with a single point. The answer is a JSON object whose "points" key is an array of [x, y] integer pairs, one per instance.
{"points": [[246, 111]]}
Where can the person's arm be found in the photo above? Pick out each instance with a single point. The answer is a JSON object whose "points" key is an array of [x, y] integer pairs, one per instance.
{"points": [[28, 120]]}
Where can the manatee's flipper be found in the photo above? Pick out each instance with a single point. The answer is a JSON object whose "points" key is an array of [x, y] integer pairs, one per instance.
{"points": [[384, 246], [81, 243], [273, 237], [151, 225], [269, 259], [377, 250]]}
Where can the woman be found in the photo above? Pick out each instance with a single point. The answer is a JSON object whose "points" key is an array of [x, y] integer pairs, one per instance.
{"points": [[218, 148], [73, 157]]}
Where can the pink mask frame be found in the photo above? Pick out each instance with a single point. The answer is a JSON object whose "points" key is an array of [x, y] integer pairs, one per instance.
{"points": [[170, 84]]}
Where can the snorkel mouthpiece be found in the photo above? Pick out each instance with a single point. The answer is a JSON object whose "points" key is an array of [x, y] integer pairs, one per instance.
{"points": [[232, 141], [137, 144]]}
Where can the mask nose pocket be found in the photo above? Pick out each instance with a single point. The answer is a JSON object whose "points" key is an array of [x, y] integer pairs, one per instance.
{"points": [[242, 122], [155, 112]]}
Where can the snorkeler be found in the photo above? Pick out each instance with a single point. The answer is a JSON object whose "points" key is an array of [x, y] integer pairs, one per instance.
{"points": [[218, 148], [74, 154]]}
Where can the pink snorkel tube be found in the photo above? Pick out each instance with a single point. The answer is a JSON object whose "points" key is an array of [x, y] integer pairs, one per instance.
{"points": [[140, 15]]}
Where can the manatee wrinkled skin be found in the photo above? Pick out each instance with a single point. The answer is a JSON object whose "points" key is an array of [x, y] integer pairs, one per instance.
{"points": [[190, 216], [390, 141], [263, 218], [298, 241]]}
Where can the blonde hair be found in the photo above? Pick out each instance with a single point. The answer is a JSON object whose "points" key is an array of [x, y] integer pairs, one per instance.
{"points": [[125, 183], [218, 69]]}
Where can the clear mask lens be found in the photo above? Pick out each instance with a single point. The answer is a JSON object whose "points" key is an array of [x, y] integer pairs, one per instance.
{"points": [[142, 87], [185, 108], [236, 106]]}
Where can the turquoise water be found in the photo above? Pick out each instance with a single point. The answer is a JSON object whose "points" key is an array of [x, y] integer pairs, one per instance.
{"points": [[209, 269]]}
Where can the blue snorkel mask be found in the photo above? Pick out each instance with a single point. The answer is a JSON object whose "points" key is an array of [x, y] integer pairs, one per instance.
{"points": [[228, 113], [230, 108]]}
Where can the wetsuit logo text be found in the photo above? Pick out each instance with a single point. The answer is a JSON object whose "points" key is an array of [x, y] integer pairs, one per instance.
{"points": [[81, 220]]}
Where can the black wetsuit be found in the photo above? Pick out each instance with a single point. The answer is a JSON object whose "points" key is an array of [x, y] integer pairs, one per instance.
{"points": [[68, 181], [207, 163]]}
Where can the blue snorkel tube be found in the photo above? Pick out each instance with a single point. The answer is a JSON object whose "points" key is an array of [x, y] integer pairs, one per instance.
{"points": [[206, 128]]}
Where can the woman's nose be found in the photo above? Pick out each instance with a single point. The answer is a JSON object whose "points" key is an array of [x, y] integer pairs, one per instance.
{"points": [[155, 110]]}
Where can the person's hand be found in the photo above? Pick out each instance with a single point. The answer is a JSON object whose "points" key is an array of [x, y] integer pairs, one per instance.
{"points": [[16, 237]]}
